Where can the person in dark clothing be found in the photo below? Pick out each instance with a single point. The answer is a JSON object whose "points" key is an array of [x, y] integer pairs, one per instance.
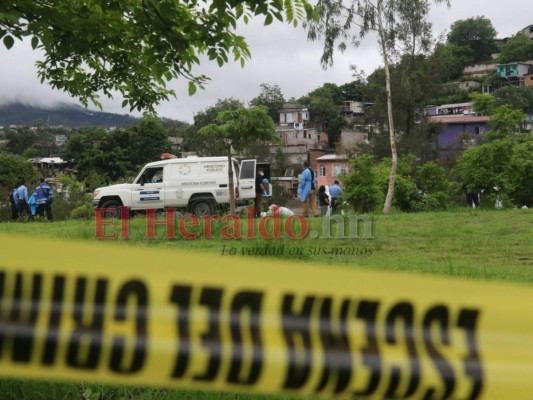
{"points": [[472, 199], [45, 198], [22, 198], [259, 190], [13, 201], [323, 200]]}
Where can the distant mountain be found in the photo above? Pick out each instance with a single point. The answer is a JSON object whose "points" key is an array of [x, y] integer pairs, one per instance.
{"points": [[67, 115]]}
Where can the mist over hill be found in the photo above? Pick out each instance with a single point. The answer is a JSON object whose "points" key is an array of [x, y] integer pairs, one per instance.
{"points": [[64, 114]]}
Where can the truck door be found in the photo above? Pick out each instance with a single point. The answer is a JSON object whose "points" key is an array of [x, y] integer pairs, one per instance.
{"points": [[247, 179], [148, 189]]}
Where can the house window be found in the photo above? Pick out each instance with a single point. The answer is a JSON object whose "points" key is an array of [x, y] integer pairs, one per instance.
{"points": [[340, 169], [288, 118], [322, 170], [479, 130], [305, 134]]}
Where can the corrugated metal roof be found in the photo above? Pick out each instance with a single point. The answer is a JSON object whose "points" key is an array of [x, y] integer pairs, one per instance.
{"points": [[458, 119], [332, 157]]}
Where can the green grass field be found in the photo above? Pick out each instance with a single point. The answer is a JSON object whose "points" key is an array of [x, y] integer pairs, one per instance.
{"points": [[478, 245]]}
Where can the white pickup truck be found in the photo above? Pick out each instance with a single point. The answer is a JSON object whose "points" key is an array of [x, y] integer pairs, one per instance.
{"points": [[196, 184]]}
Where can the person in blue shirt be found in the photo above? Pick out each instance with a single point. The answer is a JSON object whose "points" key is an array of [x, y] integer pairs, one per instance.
{"points": [[46, 198], [335, 191], [23, 200], [307, 189], [40, 201], [33, 206], [266, 186]]}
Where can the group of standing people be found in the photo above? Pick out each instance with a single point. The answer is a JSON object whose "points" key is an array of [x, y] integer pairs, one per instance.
{"points": [[307, 192], [38, 203]]}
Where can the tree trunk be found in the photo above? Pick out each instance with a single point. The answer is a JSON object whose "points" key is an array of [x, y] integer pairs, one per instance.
{"points": [[394, 165], [231, 183]]}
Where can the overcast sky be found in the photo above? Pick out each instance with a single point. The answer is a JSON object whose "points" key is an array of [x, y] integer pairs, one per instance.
{"points": [[281, 55]]}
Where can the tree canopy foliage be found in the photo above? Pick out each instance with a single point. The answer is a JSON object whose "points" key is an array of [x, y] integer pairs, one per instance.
{"points": [[272, 98], [15, 169], [395, 22], [103, 157], [503, 169], [135, 47], [205, 145], [477, 33], [324, 105], [517, 48], [238, 128]]}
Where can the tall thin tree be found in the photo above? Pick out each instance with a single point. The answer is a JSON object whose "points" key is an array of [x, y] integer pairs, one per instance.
{"points": [[344, 23]]}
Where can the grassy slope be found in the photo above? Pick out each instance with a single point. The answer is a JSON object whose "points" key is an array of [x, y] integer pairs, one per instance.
{"points": [[482, 245], [495, 245]]}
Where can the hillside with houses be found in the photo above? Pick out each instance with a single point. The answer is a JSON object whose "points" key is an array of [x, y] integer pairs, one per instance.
{"points": [[457, 97]]}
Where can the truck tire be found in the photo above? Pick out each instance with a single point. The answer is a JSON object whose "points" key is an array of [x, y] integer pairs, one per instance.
{"points": [[202, 208], [113, 207]]}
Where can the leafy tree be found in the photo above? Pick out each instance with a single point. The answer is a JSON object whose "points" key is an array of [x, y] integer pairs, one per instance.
{"points": [[385, 17], [476, 33], [118, 154], [324, 103], [504, 122], [432, 179], [134, 47], [149, 140], [406, 196], [414, 40], [15, 169], [279, 163], [354, 91], [449, 60], [418, 188], [517, 48], [422, 141], [73, 200], [521, 171], [506, 112], [18, 140], [208, 145], [518, 97], [362, 191], [504, 164], [237, 129], [270, 97], [483, 103]]}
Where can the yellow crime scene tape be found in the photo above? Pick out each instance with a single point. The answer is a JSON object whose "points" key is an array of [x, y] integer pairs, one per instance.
{"points": [[139, 316]]}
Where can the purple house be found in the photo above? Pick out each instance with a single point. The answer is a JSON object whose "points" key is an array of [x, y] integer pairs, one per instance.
{"points": [[460, 131]]}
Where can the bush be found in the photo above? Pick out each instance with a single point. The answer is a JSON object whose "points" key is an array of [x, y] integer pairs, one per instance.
{"points": [[433, 182], [361, 188], [415, 189], [15, 169], [502, 169], [70, 196]]}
